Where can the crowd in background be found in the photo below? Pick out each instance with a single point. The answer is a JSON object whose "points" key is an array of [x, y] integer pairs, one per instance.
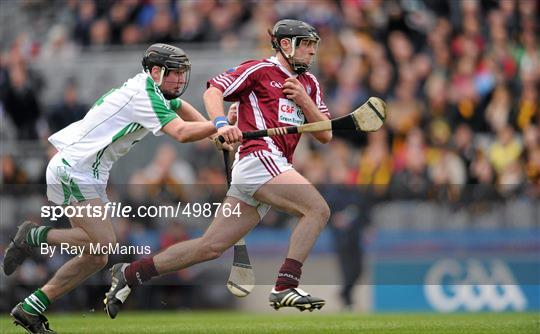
{"points": [[461, 80]]}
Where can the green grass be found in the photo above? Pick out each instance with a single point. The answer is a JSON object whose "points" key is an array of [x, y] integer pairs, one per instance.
{"points": [[236, 322]]}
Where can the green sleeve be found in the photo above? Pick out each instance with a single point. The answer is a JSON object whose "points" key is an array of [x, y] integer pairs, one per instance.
{"points": [[157, 101], [176, 104]]}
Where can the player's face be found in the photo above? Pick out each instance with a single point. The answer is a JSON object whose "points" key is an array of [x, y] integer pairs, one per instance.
{"points": [[306, 50], [174, 82]]}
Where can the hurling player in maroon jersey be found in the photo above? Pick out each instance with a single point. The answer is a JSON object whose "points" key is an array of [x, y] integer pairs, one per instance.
{"points": [[279, 91]]}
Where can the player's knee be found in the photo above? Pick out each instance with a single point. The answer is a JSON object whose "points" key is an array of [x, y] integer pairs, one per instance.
{"points": [[96, 261], [324, 214], [106, 240], [320, 212]]}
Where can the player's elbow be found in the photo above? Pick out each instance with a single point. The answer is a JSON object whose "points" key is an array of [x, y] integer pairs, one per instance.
{"points": [[181, 133], [183, 139], [211, 93], [177, 129]]}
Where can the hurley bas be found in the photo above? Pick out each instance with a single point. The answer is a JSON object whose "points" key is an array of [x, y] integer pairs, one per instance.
{"points": [[94, 249]]}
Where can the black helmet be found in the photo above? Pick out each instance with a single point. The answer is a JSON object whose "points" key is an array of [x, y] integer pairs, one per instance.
{"points": [[297, 31], [168, 57]]}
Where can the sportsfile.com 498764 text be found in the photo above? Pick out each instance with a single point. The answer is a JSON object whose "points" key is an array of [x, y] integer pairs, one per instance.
{"points": [[119, 210]]}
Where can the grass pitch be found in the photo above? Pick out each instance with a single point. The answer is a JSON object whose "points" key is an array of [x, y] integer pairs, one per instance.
{"points": [[236, 322]]}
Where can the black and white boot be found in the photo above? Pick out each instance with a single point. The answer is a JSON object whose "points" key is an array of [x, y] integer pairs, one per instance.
{"points": [[35, 324], [18, 249], [118, 292], [295, 297]]}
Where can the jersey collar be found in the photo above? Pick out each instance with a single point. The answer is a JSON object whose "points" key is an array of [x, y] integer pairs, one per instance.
{"points": [[274, 60]]}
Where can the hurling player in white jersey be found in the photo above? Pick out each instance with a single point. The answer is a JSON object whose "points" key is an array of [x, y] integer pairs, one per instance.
{"points": [[262, 176], [77, 175]]}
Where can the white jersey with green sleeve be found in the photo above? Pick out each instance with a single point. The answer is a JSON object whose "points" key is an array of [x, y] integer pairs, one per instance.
{"points": [[116, 122]]}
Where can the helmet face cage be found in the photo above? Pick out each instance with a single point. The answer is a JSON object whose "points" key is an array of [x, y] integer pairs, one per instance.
{"points": [[297, 32], [168, 58], [184, 71], [295, 43]]}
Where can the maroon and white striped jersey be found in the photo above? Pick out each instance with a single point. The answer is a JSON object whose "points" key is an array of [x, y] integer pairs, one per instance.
{"points": [[258, 87]]}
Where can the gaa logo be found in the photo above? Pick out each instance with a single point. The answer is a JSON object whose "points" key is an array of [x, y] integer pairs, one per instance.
{"points": [[300, 114], [472, 286]]}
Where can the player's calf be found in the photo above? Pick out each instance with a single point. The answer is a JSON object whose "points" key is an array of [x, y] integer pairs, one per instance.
{"points": [[208, 249]]}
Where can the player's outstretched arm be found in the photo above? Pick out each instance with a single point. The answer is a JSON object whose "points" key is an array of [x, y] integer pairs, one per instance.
{"points": [[190, 114], [186, 132], [213, 102]]}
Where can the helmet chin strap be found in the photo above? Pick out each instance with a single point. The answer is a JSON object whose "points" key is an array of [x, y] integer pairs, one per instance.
{"points": [[160, 81], [161, 75], [297, 68]]}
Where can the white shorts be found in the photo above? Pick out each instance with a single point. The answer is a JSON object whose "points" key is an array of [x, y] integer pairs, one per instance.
{"points": [[66, 185], [253, 171]]}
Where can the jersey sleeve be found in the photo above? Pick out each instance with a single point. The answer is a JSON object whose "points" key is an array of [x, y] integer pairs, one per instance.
{"points": [[176, 104], [235, 81], [153, 111], [316, 95]]}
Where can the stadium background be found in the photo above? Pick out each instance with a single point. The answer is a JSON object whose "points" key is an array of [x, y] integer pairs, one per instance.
{"points": [[451, 183]]}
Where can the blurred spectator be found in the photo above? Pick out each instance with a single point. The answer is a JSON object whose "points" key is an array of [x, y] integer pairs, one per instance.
{"points": [[379, 80], [120, 15], [533, 166], [448, 174], [505, 150], [191, 25], [531, 138], [401, 49], [350, 215], [349, 93], [349, 218], [498, 110], [58, 46], [463, 143], [86, 14], [481, 196], [374, 171], [11, 173], [528, 107], [161, 26], [21, 101], [406, 109], [100, 33], [68, 110], [131, 35], [412, 182]]}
